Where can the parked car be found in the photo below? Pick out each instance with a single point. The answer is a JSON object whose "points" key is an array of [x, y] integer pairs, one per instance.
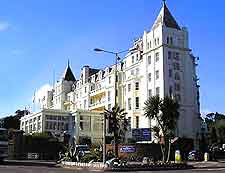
{"points": [[195, 156]]}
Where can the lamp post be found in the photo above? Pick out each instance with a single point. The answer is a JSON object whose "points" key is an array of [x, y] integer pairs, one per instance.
{"points": [[117, 58]]}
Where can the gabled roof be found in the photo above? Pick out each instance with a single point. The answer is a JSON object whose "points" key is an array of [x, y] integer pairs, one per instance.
{"points": [[68, 74], [166, 18]]}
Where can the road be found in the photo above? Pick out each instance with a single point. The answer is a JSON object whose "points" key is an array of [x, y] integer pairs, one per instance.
{"points": [[32, 167]]}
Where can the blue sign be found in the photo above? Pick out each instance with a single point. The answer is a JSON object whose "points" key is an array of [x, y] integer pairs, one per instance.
{"points": [[127, 149], [141, 134]]}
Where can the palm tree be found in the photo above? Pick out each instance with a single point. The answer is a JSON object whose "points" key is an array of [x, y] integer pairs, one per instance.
{"points": [[117, 124], [152, 111], [169, 114], [165, 112]]}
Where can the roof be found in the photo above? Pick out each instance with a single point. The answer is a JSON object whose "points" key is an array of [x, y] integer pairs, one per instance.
{"points": [[166, 18], [68, 75]]}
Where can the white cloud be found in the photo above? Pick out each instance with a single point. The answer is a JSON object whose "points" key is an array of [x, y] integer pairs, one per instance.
{"points": [[41, 92], [4, 26]]}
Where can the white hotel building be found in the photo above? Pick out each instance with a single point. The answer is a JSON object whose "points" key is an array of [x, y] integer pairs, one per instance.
{"points": [[162, 65]]}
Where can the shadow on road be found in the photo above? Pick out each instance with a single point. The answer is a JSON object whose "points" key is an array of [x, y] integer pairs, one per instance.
{"points": [[29, 163]]}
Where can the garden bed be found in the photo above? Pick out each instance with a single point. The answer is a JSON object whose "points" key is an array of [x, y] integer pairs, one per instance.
{"points": [[128, 166], [151, 167]]}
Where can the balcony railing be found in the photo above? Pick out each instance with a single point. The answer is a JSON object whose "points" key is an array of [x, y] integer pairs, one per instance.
{"points": [[97, 104]]}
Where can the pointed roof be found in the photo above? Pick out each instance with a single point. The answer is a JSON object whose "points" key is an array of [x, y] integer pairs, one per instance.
{"points": [[68, 74], [166, 18]]}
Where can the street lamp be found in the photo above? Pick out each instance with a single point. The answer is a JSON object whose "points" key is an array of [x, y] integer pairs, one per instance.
{"points": [[117, 58]]}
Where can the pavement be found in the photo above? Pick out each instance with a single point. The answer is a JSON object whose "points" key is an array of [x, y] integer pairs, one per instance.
{"points": [[30, 166]]}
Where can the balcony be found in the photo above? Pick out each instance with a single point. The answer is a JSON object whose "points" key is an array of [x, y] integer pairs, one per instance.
{"points": [[99, 91], [98, 105]]}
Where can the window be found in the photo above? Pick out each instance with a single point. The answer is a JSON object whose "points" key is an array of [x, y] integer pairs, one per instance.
{"points": [[34, 128], [171, 40], [169, 55], [149, 77], [167, 40], [132, 59], [85, 89], [137, 71], [117, 77], [137, 57], [177, 56], [149, 93], [177, 76], [149, 59], [148, 45], [155, 41], [109, 95], [91, 101], [170, 91], [136, 85], [170, 73], [158, 41], [137, 122], [85, 104], [109, 106], [39, 126], [157, 74], [157, 57], [132, 72], [129, 87], [129, 103], [176, 66], [177, 87], [129, 124], [137, 102], [157, 91]]}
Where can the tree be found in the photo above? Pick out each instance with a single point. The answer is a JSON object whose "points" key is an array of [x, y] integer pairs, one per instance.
{"points": [[170, 114], [152, 111], [166, 113], [117, 124], [13, 121], [216, 127]]}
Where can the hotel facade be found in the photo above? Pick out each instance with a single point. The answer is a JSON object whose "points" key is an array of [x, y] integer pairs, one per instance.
{"points": [[160, 63]]}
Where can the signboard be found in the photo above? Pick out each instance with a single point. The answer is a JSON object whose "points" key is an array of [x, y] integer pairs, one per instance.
{"points": [[141, 134], [127, 149]]}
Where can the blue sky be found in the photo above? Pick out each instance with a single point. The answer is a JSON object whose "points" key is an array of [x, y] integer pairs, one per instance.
{"points": [[37, 38]]}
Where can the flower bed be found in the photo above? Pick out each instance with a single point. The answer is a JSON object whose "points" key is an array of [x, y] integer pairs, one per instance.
{"points": [[128, 166], [151, 166]]}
